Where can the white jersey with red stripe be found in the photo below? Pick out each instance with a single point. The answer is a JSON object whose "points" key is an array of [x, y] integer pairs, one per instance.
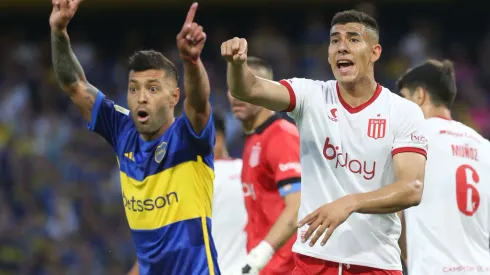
{"points": [[449, 232], [347, 150], [229, 216]]}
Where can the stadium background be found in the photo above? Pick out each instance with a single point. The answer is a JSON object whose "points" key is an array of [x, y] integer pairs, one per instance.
{"points": [[60, 203]]}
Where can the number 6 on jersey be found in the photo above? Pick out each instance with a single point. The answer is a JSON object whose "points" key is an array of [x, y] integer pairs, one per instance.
{"points": [[466, 193]]}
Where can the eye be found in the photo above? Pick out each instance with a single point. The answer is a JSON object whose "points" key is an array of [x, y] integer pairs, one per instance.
{"points": [[132, 89], [354, 40], [334, 40], [154, 88]]}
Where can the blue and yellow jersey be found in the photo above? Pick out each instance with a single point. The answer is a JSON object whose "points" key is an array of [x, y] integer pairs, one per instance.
{"points": [[167, 189]]}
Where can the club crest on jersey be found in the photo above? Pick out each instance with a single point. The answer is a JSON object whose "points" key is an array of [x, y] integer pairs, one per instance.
{"points": [[160, 152], [254, 158], [376, 128]]}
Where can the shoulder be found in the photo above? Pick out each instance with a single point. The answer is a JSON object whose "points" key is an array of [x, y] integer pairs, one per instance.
{"points": [[402, 107], [282, 126], [472, 133], [307, 84]]}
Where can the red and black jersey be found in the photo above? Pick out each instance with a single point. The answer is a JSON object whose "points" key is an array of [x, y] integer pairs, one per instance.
{"points": [[271, 170]]}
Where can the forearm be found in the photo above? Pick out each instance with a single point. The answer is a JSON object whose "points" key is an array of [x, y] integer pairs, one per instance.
{"points": [[196, 86], [284, 228], [241, 81], [66, 66], [388, 199]]}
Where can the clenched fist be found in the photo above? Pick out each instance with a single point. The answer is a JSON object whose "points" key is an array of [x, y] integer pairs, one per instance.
{"points": [[191, 38], [235, 50], [63, 11]]}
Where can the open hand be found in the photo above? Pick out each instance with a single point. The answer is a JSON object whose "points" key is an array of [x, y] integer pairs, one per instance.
{"points": [[235, 50], [63, 11], [191, 38], [328, 217]]}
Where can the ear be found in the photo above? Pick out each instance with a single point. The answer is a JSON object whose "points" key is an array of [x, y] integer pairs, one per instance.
{"points": [[174, 97], [420, 96], [376, 54]]}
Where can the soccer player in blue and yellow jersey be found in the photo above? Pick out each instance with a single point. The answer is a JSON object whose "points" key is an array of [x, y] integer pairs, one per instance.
{"points": [[166, 163]]}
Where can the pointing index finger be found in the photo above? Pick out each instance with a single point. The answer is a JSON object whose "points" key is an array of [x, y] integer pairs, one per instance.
{"points": [[190, 15]]}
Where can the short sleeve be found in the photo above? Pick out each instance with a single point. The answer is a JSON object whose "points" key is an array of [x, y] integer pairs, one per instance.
{"points": [[283, 158], [408, 130], [298, 89], [108, 119], [202, 143]]}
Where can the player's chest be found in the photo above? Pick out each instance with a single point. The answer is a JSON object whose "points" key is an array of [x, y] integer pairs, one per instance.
{"points": [[368, 132], [142, 160], [255, 166]]}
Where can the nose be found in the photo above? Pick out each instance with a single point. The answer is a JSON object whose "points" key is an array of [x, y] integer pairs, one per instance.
{"points": [[342, 47], [142, 97]]}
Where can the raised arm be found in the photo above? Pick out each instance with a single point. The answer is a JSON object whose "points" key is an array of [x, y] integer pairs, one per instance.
{"points": [[246, 86], [68, 71], [190, 42]]}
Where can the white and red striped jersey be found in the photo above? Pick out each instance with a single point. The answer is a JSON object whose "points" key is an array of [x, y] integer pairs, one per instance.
{"points": [[229, 216], [449, 232], [346, 150]]}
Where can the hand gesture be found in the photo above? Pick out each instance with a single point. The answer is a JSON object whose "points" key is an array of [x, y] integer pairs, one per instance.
{"points": [[234, 51], [63, 11], [191, 38], [328, 217]]}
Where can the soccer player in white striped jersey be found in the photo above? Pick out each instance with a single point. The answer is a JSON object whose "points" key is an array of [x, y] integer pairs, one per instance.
{"points": [[229, 213], [448, 233], [361, 147]]}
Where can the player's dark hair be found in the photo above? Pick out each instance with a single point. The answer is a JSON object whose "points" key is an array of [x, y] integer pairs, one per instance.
{"points": [[219, 123], [436, 77], [150, 59], [258, 63], [354, 16]]}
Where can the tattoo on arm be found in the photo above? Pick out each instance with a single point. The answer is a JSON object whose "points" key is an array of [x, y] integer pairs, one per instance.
{"points": [[66, 66]]}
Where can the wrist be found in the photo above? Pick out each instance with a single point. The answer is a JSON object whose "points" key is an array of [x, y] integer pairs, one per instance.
{"points": [[264, 248], [260, 255], [189, 59], [58, 31], [352, 202]]}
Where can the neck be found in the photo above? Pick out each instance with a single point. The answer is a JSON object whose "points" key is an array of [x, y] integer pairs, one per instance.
{"points": [[252, 124], [358, 93], [160, 132], [442, 112]]}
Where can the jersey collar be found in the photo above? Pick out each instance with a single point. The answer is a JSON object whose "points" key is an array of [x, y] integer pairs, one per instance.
{"points": [[361, 107], [266, 124]]}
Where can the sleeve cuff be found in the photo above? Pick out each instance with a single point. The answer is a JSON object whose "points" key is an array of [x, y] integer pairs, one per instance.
{"points": [[95, 111], [292, 95], [409, 150]]}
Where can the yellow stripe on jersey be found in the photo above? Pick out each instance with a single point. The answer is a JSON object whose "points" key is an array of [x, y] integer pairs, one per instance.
{"points": [[207, 245], [178, 193]]}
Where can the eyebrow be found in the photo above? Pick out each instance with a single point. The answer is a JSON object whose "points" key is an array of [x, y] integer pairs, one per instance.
{"points": [[348, 33], [149, 80]]}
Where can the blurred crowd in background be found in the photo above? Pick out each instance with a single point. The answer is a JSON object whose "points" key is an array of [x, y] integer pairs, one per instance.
{"points": [[60, 200]]}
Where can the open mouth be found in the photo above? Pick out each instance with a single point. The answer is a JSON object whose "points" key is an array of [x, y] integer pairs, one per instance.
{"points": [[344, 65], [143, 116]]}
